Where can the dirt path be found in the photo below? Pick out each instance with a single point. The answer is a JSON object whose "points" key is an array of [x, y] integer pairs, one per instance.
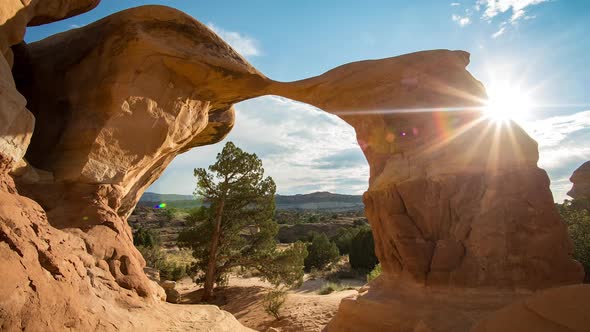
{"points": [[304, 309]]}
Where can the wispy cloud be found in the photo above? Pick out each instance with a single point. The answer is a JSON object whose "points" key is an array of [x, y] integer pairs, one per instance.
{"points": [[244, 45], [300, 158], [495, 11], [516, 8], [562, 147], [461, 20], [499, 32], [492, 8]]}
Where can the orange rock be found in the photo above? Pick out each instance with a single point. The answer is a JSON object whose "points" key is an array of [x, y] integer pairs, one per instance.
{"points": [[581, 181], [552, 310], [461, 215]]}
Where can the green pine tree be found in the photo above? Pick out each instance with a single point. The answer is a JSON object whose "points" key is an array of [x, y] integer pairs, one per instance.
{"points": [[236, 227]]}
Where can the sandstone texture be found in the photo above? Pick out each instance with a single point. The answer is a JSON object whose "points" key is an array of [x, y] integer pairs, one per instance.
{"points": [[67, 245], [581, 181], [463, 218], [455, 200], [553, 310]]}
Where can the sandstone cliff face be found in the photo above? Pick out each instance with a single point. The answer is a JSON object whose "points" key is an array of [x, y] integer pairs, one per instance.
{"points": [[455, 201], [111, 114], [581, 181]]}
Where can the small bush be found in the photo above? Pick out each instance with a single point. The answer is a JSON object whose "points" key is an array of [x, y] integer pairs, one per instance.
{"points": [[169, 269], [374, 273], [343, 239], [332, 287], [321, 252], [361, 222], [362, 251], [274, 301], [577, 218], [146, 238]]}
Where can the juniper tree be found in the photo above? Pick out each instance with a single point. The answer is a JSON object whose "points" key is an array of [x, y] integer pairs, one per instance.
{"points": [[235, 227]]}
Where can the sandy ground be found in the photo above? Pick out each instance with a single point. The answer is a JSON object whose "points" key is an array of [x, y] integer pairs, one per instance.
{"points": [[304, 309]]}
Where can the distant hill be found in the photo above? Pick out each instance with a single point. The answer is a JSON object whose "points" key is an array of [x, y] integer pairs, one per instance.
{"points": [[314, 201], [319, 201], [155, 197]]}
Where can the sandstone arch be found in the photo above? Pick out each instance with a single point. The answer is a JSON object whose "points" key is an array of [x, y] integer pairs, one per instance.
{"points": [[448, 209]]}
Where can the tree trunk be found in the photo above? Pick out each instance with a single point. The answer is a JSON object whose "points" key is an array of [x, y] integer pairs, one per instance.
{"points": [[210, 273]]}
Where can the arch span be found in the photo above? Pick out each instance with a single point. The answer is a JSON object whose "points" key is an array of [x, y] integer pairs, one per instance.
{"points": [[454, 200]]}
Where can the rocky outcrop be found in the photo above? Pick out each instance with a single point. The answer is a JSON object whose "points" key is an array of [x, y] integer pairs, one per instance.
{"points": [[141, 87], [111, 113], [456, 202], [581, 181]]}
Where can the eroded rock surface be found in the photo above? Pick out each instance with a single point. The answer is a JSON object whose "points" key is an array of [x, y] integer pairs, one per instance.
{"points": [[581, 181], [455, 201], [111, 112], [562, 309]]}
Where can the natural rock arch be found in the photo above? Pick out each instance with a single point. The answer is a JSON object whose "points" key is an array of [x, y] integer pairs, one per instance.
{"points": [[447, 209]]}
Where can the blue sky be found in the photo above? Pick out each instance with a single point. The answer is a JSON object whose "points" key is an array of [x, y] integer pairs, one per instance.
{"points": [[540, 45]]}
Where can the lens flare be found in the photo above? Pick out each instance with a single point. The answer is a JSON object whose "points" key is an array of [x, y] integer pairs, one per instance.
{"points": [[507, 102]]}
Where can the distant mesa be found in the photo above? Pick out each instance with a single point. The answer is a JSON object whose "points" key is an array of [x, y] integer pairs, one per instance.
{"points": [[314, 201]]}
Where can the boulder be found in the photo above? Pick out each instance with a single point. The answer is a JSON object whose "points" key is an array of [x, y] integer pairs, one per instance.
{"points": [[168, 284], [172, 295]]}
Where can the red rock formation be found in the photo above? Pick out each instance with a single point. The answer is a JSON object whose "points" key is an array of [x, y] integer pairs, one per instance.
{"points": [[70, 254], [581, 181], [456, 202], [562, 309]]}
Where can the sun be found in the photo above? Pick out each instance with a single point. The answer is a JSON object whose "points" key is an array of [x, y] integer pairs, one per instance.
{"points": [[507, 102]]}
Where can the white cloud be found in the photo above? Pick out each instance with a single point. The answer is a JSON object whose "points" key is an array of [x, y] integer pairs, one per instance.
{"points": [[304, 149], [244, 45], [499, 32], [563, 147], [552, 131], [461, 20], [492, 9], [496, 7], [516, 8]]}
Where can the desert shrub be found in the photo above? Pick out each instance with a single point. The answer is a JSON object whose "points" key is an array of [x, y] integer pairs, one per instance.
{"points": [[360, 222], [374, 273], [362, 251], [343, 239], [171, 270], [340, 274], [156, 258], [169, 213], [331, 287], [152, 255], [577, 219], [321, 252], [146, 238], [273, 302]]}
